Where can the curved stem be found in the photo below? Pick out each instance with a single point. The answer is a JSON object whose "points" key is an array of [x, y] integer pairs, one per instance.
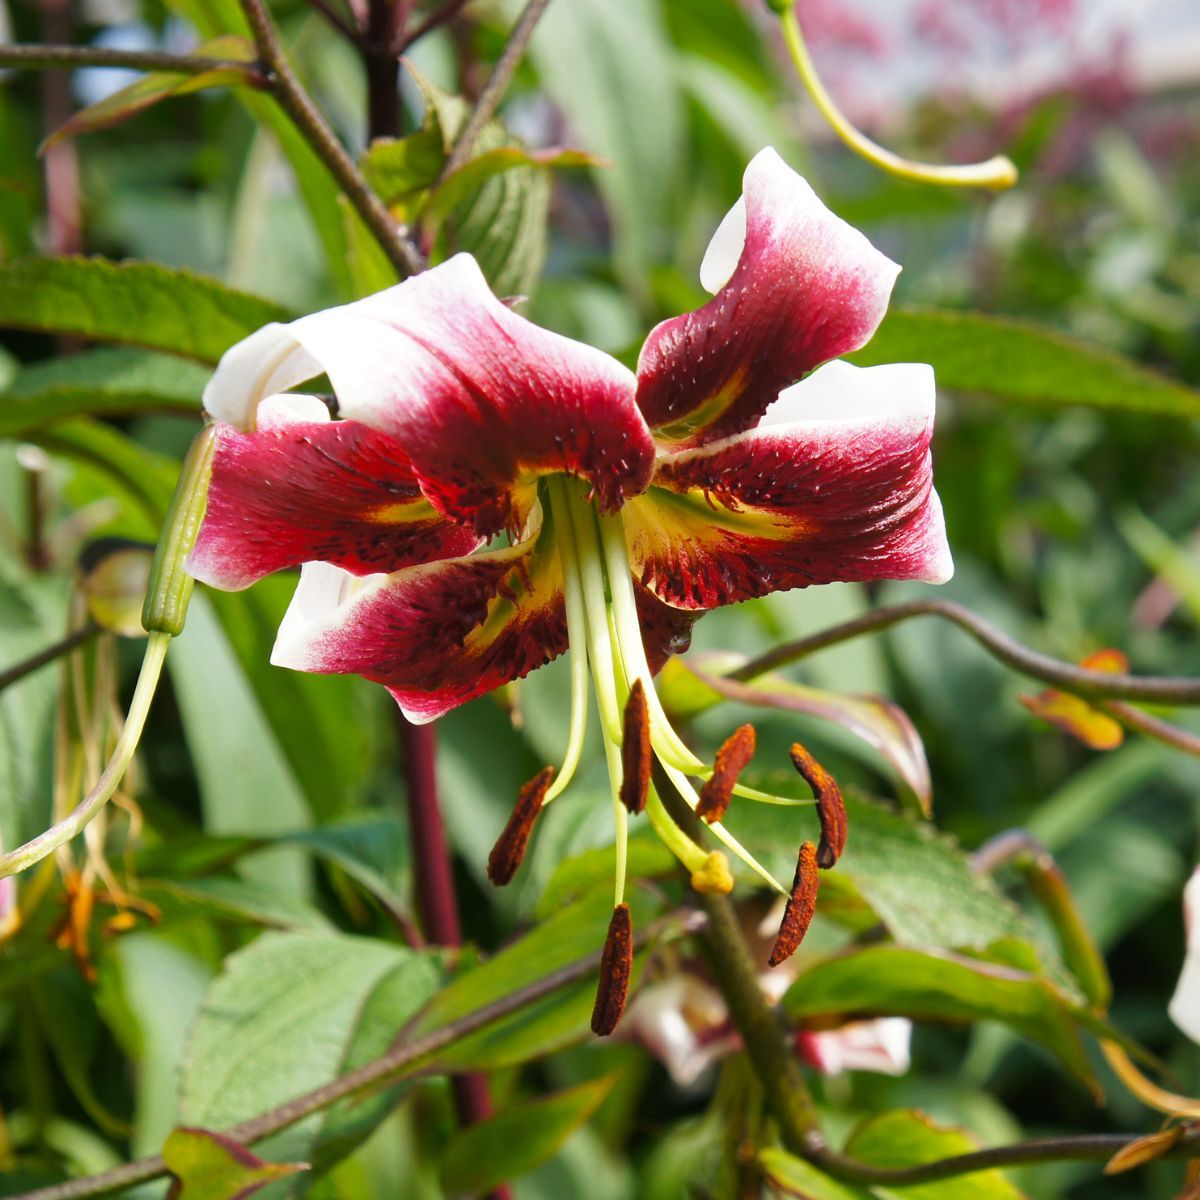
{"points": [[70, 57], [62, 832], [997, 172], [1163, 690]]}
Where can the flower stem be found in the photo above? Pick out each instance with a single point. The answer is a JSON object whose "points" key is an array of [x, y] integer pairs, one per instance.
{"points": [[998, 172]]}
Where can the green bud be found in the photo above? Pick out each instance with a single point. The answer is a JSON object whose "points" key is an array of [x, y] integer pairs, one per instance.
{"points": [[114, 575], [170, 586]]}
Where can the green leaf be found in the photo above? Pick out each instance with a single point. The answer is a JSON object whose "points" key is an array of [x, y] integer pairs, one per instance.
{"points": [[210, 1166], [515, 1141], [290, 1013], [908, 1138], [461, 185], [1021, 361], [495, 206], [548, 1024], [795, 1177], [646, 858], [159, 85], [322, 724], [918, 882], [611, 69], [371, 849], [103, 382], [241, 901], [138, 304], [246, 783], [940, 986]]}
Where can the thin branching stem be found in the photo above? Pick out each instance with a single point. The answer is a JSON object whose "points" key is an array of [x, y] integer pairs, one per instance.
{"points": [[435, 20], [338, 21], [295, 101], [1181, 691], [27, 666], [496, 86], [70, 57]]}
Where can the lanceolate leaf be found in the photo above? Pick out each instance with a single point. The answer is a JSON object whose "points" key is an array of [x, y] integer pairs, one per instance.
{"points": [[159, 85], [899, 981], [210, 1166], [138, 304], [103, 382], [518, 1139], [548, 1024], [1025, 362], [907, 1138], [289, 1013]]}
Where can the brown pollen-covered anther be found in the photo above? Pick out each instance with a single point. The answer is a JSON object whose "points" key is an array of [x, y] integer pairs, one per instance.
{"points": [[509, 849], [831, 808], [732, 759], [616, 969], [635, 750], [801, 906]]}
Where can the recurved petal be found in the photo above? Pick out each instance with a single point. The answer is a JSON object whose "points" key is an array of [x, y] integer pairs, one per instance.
{"points": [[846, 493], [482, 400], [434, 635], [795, 286], [302, 487]]}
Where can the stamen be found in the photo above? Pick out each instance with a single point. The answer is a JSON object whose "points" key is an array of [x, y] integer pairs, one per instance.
{"points": [[616, 968], [831, 808], [801, 905], [732, 759], [509, 849], [635, 751], [714, 876]]}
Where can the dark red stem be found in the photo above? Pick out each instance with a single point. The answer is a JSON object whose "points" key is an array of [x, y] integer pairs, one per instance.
{"points": [[437, 904]]}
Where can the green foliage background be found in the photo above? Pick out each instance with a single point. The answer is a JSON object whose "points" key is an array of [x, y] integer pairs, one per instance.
{"points": [[1062, 319]]}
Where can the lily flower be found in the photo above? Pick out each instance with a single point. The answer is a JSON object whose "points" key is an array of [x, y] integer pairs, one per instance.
{"points": [[492, 495]]}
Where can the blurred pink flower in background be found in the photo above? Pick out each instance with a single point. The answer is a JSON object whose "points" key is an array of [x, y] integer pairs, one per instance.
{"points": [[1185, 1004]]}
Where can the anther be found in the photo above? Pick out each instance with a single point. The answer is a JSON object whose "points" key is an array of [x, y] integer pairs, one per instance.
{"points": [[801, 905], [732, 759], [635, 750], [616, 968], [831, 808], [509, 849]]}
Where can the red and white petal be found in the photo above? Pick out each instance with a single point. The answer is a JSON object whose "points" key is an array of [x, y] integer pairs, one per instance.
{"points": [[846, 494], [482, 400], [302, 487], [666, 630], [434, 635], [795, 286]]}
